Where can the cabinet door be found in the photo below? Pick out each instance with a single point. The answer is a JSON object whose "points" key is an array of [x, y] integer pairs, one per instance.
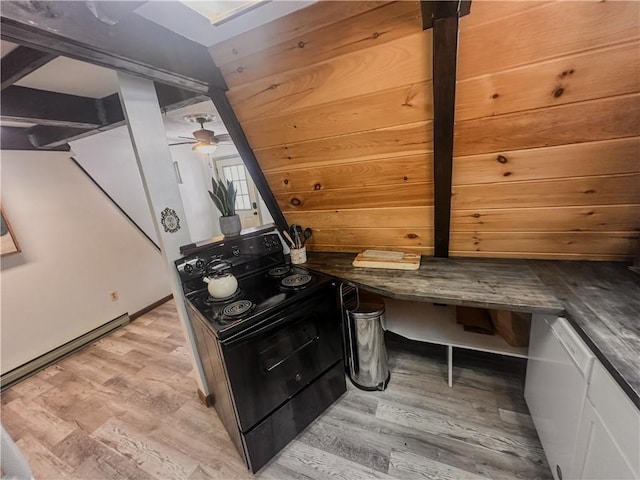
{"points": [[618, 413], [598, 457], [555, 392]]}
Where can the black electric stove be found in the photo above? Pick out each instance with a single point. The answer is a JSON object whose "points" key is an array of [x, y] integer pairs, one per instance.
{"points": [[271, 353], [266, 283]]}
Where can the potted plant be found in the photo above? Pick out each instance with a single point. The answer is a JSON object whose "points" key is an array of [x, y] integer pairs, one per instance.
{"points": [[224, 198]]}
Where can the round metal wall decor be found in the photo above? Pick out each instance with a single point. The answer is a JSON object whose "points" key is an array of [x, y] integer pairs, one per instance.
{"points": [[170, 220]]}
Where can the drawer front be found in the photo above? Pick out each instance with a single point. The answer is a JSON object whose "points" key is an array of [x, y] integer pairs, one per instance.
{"points": [[577, 350], [274, 433]]}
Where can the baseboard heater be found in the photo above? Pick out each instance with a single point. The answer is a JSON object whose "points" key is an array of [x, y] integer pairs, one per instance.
{"points": [[43, 361]]}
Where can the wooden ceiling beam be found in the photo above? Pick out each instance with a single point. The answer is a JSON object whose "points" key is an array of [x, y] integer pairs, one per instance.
{"points": [[171, 98], [111, 115], [45, 137], [16, 138], [133, 45], [48, 108], [20, 62]]}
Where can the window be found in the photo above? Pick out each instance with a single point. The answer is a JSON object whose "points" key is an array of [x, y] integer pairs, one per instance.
{"points": [[236, 173]]}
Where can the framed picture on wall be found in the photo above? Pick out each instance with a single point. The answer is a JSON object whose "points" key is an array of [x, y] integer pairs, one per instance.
{"points": [[9, 243]]}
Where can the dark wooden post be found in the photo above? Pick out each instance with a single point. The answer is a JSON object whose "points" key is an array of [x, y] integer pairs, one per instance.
{"points": [[443, 17]]}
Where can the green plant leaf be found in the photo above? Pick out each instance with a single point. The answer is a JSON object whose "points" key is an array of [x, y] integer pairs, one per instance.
{"points": [[223, 196], [217, 201], [232, 197]]}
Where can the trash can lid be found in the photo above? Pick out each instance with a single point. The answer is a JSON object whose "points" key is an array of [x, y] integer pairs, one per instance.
{"points": [[368, 310]]}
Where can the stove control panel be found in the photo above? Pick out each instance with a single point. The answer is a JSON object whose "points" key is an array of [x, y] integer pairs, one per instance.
{"points": [[244, 255], [271, 242]]}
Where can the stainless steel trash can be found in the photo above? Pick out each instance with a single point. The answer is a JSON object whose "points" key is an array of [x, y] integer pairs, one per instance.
{"points": [[367, 356]]}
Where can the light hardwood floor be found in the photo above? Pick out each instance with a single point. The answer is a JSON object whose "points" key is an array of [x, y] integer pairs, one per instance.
{"points": [[126, 407]]}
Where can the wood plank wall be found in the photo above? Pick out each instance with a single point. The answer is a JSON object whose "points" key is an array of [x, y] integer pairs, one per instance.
{"points": [[547, 139], [336, 102]]}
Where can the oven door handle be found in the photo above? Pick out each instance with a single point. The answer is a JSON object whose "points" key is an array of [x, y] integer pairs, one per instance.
{"points": [[266, 327], [282, 360]]}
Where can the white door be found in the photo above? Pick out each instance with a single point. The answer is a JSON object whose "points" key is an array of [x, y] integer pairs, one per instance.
{"points": [[247, 197]]}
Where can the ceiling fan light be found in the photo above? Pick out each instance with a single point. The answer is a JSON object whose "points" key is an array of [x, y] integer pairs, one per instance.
{"points": [[205, 148]]}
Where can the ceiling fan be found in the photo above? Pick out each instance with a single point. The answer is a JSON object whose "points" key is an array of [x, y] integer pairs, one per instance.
{"points": [[203, 140]]}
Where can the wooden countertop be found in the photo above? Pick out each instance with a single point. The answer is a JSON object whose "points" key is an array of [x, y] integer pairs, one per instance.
{"points": [[601, 299], [487, 283]]}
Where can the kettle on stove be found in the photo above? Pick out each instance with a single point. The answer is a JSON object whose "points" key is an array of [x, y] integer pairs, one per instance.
{"points": [[221, 283]]}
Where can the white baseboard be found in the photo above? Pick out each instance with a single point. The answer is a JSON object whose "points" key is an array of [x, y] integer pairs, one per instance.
{"points": [[37, 364]]}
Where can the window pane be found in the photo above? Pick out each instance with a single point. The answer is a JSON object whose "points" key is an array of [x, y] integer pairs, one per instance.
{"points": [[243, 202], [238, 175]]}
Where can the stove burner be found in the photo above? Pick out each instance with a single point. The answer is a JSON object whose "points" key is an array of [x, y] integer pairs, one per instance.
{"points": [[297, 280], [213, 301], [237, 309], [278, 272]]}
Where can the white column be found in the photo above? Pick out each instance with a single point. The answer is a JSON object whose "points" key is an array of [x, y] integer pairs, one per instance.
{"points": [[146, 129]]}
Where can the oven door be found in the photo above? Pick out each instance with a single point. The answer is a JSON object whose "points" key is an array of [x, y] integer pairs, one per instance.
{"points": [[268, 366]]}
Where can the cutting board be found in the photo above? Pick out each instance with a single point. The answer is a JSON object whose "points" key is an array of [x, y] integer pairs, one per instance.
{"points": [[387, 259]]}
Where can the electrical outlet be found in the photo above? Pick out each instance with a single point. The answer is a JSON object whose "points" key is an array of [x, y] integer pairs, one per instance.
{"points": [[113, 296]]}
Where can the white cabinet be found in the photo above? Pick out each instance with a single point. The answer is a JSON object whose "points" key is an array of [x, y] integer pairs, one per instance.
{"points": [[598, 456], [609, 436], [588, 426], [555, 389]]}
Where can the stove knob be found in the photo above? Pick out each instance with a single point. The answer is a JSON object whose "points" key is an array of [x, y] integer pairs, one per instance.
{"points": [[235, 251], [200, 264], [188, 268], [298, 377]]}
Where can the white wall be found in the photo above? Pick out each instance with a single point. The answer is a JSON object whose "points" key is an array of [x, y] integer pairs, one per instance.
{"points": [[264, 211], [76, 248], [110, 160], [202, 215]]}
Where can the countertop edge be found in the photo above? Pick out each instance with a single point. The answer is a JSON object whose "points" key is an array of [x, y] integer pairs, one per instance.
{"points": [[633, 395], [449, 300], [560, 310]]}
